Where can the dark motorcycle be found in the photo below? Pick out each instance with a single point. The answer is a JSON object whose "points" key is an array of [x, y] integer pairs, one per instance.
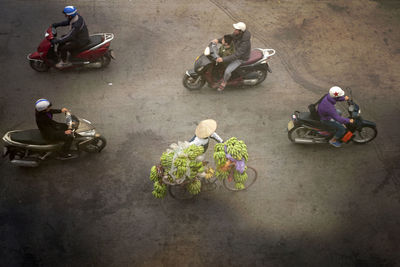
{"points": [[305, 129], [27, 148], [252, 72], [96, 54]]}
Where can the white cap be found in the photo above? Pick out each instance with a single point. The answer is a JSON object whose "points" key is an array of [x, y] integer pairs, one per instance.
{"points": [[336, 91], [42, 104], [240, 26]]}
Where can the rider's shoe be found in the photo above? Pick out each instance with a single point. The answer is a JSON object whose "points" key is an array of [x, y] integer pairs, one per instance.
{"points": [[63, 64], [335, 143], [221, 87]]}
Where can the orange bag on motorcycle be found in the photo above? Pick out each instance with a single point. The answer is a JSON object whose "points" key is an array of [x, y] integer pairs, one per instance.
{"points": [[347, 137]]}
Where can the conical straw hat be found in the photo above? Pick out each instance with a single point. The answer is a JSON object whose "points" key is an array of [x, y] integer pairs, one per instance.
{"points": [[206, 128]]}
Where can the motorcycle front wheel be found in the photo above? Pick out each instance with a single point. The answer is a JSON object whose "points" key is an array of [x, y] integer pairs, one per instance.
{"points": [[191, 83], [94, 146], [365, 134], [38, 65]]}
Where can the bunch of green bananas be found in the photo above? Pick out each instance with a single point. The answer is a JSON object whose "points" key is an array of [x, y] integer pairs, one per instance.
{"points": [[240, 177], [237, 149], [166, 160], [194, 187], [221, 175], [180, 164], [160, 190], [153, 174], [194, 151]]}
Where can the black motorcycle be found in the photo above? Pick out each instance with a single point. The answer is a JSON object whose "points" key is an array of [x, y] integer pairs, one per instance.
{"points": [[304, 128], [206, 69]]}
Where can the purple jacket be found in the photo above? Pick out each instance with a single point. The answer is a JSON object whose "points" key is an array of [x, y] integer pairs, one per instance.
{"points": [[327, 110]]}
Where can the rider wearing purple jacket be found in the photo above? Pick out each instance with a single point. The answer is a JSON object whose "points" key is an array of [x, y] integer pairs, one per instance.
{"points": [[329, 116]]}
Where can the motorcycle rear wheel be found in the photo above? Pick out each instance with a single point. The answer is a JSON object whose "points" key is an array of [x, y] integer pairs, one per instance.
{"points": [[39, 66], [105, 60], [365, 135], [191, 83], [262, 75], [95, 146], [297, 132]]}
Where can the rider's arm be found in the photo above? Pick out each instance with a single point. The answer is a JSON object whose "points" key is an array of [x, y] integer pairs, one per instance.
{"points": [[337, 117], [53, 111], [216, 137], [341, 98], [62, 23], [75, 28]]}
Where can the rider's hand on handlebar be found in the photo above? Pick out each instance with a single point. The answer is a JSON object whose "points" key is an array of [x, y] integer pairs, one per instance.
{"points": [[68, 132], [346, 98], [64, 110], [219, 60], [351, 121]]}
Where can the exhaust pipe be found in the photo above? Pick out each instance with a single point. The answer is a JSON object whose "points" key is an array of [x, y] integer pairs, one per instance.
{"points": [[25, 163], [250, 81], [308, 141]]}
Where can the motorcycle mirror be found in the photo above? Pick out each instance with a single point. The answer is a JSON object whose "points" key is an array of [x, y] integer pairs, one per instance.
{"points": [[350, 91]]}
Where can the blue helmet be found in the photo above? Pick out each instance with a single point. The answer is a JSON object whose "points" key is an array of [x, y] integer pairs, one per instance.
{"points": [[70, 11]]}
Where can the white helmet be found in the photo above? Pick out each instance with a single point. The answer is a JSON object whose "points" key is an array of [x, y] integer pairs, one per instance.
{"points": [[336, 91], [240, 26], [42, 104]]}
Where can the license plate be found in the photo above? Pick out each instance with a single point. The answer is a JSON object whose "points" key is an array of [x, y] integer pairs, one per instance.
{"points": [[290, 125]]}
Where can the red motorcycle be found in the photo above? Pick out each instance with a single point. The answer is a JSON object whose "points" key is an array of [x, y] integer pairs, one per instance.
{"points": [[96, 54]]}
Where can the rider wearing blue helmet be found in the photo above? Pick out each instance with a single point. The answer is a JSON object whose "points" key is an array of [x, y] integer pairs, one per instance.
{"points": [[76, 38]]}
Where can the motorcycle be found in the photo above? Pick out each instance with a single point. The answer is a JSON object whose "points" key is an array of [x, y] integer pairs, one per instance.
{"points": [[96, 54], [27, 148], [252, 72], [304, 129]]}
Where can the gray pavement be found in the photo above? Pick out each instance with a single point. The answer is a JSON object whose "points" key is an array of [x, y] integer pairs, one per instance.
{"points": [[311, 205]]}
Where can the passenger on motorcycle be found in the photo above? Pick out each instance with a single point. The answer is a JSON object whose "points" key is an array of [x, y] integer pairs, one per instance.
{"points": [[242, 46], [204, 131], [76, 38], [329, 115], [50, 129]]}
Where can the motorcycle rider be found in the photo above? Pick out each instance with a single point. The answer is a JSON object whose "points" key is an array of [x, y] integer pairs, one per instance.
{"points": [[329, 115], [226, 49], [76, 38], [242, 46], [204, 131], [50, 129]]}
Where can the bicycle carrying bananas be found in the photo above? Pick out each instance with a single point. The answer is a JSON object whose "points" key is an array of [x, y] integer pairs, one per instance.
{"points": [[181, 163], [232, 153]]}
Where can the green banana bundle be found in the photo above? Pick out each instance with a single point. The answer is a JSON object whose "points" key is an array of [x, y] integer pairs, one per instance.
{"points": [[154, 174], [238, 151], [160, 190], [182, 161], [194, 187]]}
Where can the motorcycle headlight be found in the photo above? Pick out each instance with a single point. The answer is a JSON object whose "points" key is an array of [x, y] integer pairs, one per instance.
{"points": [[88, 133], [207, 51], [359, 111]]}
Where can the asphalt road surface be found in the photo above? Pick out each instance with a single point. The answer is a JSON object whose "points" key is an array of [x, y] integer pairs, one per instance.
{"points": [[311, 205]]}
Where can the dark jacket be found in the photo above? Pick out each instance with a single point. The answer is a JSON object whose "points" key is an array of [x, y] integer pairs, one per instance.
{"points": [[78, 33], [327, 110], [242, 46], [49, 128]]}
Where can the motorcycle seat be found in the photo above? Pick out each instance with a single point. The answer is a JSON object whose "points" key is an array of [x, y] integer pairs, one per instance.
{"points": [[306, 117], [32, 136], [94, 40], [255, 56]]}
